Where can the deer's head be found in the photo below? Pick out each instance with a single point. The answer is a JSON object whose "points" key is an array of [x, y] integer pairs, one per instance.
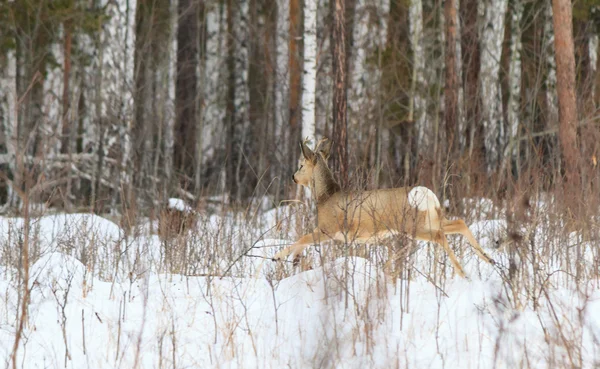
{"points": [[312, 161]]}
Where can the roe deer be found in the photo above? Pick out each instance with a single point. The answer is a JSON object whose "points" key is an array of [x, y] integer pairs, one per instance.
{"points": [[367, 216]]}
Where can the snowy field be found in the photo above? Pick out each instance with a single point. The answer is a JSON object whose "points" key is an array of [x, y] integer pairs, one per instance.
{"points": [[103, 299]]}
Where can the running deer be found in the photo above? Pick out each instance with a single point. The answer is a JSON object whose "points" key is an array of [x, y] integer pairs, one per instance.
{"points": [[369, 216]]}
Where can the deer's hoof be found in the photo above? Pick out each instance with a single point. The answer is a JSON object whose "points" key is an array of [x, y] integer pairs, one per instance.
{"points": [[296, 261]]}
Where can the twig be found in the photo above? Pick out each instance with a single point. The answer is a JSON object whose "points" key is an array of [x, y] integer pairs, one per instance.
{"points": [[430, 281]]}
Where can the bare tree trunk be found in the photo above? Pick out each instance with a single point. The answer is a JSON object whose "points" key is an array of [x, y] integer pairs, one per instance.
{"points": [[66, 129], [451, 90], [340, 136], [310, 66], [230, 149], [295, 74], [185, 92], [257, 98], [65, 147], [492, 36], [470, 75], [567, 104]]}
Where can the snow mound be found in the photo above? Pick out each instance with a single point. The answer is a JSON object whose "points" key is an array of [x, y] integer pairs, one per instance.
{"points": [[180, 205], [57, 273]]}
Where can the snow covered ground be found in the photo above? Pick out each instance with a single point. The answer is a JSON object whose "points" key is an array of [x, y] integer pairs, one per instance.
{"points": [[124, 309]]}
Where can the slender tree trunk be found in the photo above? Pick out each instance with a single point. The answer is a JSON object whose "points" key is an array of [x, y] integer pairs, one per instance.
{"points": [[513, 84], [258, 84], [140, 95], [66, 129], [295, 83], [65, 147], [567, 104], [310, 67], [451, 90], [340, 136], [186, 91], [491, 52], [470, 75], [230, 113]]}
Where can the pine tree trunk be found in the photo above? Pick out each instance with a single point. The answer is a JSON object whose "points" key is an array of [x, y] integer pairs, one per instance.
{"points": [[340, 136], [567, 108]]}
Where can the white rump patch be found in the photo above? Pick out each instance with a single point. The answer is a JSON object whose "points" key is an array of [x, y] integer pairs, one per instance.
{"points": [[422, 198]]}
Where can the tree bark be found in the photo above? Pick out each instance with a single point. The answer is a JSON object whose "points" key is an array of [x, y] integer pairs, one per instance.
{"points": [[310, 66], [451, 91], [295, 82], [340, 136], [565, 73], [470, 65], [186, 87], [66, 129], [231, 182]]}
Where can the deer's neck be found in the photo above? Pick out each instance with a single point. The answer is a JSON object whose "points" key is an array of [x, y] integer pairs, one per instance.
{"points": [[324, 184]]}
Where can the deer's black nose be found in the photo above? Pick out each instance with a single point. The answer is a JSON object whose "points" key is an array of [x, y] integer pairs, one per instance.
{"points": [[294, 178]]}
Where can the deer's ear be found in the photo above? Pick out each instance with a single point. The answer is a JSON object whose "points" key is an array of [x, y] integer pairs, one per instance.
{"points": [[325, 149], [308, 153]]}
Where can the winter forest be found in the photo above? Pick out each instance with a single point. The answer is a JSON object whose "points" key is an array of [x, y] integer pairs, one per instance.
{"points": [[122, 104], [147, 149]]}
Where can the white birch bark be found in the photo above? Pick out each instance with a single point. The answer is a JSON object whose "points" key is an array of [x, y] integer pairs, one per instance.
{"points": [[50, 129], [324, 94], [117, 41], [514, 73], [492, 14], [241, 100], [548, 49], [514, 81], [214, 80], [8, 110], [169, 118], [309, 79], [365, 74], [420, 83], [281, 68], [593, 50], [460, 118]]}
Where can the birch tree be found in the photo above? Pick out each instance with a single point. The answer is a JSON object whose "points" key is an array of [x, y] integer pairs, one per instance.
{"points": [[451, 89], [492, 13], [514, 83], [419, 91], [340, 136], [295, 78], [471, 62], [310, 70]]}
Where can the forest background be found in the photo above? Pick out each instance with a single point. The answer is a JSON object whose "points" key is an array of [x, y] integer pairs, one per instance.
{"points": [[115, 106]]}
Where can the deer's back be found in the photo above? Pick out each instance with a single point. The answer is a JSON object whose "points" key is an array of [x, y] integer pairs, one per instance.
{"points": [[372, 212]]}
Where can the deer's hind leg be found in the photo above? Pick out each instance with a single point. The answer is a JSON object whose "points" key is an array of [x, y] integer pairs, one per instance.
{"points": [[440, 238], [459, 227]]}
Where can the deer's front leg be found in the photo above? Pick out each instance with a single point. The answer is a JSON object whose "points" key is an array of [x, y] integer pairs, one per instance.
{"points": [[308, 239]]}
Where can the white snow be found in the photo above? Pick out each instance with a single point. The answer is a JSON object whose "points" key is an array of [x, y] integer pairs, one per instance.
{"points": [[180, 205], [122, 309]]}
